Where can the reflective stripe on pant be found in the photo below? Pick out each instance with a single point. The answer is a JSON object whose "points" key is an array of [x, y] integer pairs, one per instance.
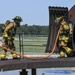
{"points": [[62, 54], [67, 49]]}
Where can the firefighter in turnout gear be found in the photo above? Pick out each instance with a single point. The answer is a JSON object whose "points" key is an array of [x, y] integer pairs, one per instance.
{"points": [[64, 49], [9, 33]]}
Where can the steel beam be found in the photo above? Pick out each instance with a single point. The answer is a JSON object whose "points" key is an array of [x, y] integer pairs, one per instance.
{"points": [[33, 71], [23, 72], [6, 65]]}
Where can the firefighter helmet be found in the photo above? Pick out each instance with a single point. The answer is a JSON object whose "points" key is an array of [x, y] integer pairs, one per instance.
{"points": [[59, 18], [17, 18]]}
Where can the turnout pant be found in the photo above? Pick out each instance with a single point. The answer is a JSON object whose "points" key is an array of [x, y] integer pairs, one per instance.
{"points": [[8, 43]]}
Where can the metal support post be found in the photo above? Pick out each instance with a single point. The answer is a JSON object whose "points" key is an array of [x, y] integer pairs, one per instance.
{"points": [[33, 72], [20, 43], [23, 72]]}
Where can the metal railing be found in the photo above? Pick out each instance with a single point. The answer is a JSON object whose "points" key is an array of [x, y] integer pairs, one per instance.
{"points": [[22, 43]]}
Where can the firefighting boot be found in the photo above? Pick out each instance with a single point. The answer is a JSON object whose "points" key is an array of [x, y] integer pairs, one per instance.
{"points": [[3, 56], [72, 54], [62, 54], [14, 56]]}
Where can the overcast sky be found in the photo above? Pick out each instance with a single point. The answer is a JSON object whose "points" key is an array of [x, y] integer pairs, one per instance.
{"points": [[32, 11]]}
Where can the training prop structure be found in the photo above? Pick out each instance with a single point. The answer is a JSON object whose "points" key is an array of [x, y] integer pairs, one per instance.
{"points": [[53, 27]]}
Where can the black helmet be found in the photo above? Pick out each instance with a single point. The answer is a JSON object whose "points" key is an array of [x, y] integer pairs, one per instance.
{"points": [[18, 18]]}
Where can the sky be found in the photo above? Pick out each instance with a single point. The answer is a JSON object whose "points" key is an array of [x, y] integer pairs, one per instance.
{"points": [[33, 12]]}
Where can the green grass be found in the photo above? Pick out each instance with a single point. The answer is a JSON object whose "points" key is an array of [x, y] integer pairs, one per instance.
{"points": [[32, 41]]}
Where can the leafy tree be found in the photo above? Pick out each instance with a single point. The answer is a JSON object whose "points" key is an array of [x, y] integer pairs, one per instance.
{"points": [[32, 30]]}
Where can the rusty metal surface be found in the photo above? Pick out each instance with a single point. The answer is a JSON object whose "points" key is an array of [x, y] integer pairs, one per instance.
{"points": [[72, 19], [72, 14], [73, 37], [6, 65], [52, 37]]}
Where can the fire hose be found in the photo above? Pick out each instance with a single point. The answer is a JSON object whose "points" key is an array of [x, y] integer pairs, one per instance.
{"points": [[36, 58]]}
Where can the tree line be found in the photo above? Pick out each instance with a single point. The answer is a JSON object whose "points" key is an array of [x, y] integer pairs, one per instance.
{"points": [[31, 29]]}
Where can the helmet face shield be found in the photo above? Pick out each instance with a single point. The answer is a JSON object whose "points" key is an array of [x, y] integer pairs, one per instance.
{"points": [[18, 25], [17, 22]]}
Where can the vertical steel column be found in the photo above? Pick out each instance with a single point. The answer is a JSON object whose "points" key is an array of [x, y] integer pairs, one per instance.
{"points": [[43, 73], [33, 71], [20, 43], [24, 72]]}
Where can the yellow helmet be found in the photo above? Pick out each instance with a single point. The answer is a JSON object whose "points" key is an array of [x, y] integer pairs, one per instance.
{"points": [[18, 18], [59, 18]]}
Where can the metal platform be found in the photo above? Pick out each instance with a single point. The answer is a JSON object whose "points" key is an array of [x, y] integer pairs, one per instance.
{"points": [[16, 64]]}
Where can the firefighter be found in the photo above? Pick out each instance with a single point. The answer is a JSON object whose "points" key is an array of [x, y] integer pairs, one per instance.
{"points": [[8, 36], [64, 49]]}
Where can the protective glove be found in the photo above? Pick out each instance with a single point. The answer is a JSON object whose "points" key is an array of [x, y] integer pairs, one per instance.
{"points": [[10, 38], [5, 35]]}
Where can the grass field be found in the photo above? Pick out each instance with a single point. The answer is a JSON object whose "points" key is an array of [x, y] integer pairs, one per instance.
{"points": [[31, 44], [38, 44]]}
